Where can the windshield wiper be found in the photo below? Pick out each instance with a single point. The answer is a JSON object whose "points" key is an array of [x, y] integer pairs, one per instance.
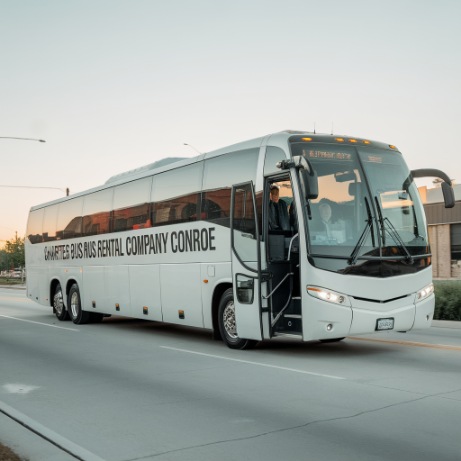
{"points": [[392, 231], [381, 222], [368, 227]]}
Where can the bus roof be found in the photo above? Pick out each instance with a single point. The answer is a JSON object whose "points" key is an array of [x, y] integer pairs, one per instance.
{"points": [[277, 139]]}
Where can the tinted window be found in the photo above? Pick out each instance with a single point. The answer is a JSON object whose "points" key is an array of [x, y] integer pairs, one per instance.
{"points": [[70, 219], [131, 205], [49, 223], [35, 226], [455, 238], [176, 195], [219, 175], [96, 212]]}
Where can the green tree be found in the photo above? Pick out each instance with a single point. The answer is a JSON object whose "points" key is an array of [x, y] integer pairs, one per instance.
{"points": [[3, 260], [14, 250]]}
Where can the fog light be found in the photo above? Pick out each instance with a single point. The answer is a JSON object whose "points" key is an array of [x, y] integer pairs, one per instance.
{"points": [[329, 327]]}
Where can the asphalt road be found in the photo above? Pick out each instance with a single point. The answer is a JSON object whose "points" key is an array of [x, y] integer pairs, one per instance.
{"points": [[134, 390]]}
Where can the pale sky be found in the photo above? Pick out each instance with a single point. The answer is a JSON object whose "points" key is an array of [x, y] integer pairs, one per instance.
{"points": [[112, 85]]}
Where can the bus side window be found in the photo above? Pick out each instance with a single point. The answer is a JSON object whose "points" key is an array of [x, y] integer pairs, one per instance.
{"points": [[219, 175], [189, 212], [35, 226], [131, 205], [50, 221], [70, 219], [96, 211], [175, 195], [211, 210]]}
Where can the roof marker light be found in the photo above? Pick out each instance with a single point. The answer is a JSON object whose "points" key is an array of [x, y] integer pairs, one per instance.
{"points": [[353, 140], [366, 142], [340, 139], [306, 139]]}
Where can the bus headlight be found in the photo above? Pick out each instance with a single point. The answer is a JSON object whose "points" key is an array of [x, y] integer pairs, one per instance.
{"points": [[425, 292], [328, 295]]}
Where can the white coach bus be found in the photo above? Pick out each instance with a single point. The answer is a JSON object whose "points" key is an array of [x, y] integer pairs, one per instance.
{"points": [[203, 242]]}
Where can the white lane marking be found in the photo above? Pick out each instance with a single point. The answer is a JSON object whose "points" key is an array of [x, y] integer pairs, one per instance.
{"points": [[57, 440], [295, 370], [19, 388], [38, 323]]}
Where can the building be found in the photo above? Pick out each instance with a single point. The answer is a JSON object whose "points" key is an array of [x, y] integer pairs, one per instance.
{"points": [[444, 226]]}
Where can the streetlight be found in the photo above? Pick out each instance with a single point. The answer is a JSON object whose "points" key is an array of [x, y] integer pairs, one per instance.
{"points": [[66, 190], [192, 147], [22, 139]]}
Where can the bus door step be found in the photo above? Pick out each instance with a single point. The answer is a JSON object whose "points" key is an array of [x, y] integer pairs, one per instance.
{"points": [[290, 323]]}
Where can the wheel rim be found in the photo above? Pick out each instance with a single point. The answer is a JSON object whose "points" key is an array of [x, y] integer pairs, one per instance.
{"points": [[74, 304], [229, 320], [58, 303]]}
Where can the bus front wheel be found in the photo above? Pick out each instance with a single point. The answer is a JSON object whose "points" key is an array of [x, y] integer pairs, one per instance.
{"points": [[58, 304], [77, 315], [227, 325]]}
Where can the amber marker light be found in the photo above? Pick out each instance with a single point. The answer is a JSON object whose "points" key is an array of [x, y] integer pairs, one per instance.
{"points": [[205, 281], [354, 141], [366, 142], [306, 139], [392, 147], [339, 139]]}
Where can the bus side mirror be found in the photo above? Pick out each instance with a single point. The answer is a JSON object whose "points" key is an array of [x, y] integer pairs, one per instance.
{"points": [[447, 189], [309, 184], [448, 195]]}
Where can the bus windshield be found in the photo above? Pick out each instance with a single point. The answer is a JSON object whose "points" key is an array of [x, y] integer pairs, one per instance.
{"points": [[368, 218]]}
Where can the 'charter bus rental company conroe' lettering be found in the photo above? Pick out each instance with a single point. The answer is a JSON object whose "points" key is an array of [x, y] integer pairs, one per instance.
{"points": [[144, 244]]}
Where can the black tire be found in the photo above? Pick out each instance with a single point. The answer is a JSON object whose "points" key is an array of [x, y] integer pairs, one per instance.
{"points": [[77, 315], [332, 340], [226, 321], [58, 304]]}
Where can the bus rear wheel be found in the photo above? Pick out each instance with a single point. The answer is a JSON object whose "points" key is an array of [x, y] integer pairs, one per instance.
{"points": [[77, 315], [58, 304], [227, 326]]}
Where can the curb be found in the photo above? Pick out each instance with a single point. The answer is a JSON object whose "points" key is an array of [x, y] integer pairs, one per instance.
{"points": [[14, 287], [446, 324], [31, 440]]}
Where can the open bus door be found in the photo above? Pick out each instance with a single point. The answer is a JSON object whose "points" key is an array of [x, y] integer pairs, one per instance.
{"points": [[246, 266]]}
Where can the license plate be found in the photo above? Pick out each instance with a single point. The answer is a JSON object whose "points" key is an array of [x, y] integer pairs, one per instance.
{"points": [[385, 324]]}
